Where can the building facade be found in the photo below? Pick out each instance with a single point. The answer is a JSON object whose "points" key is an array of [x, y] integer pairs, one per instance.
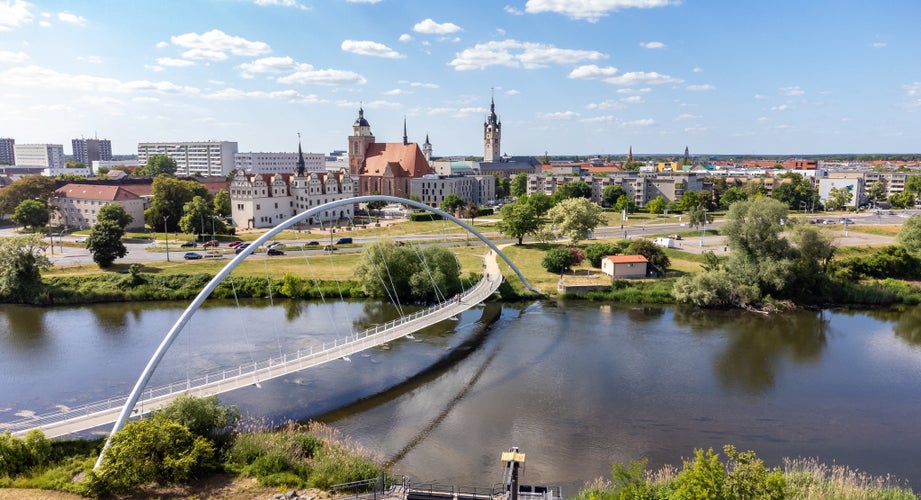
{"points": [[641, 187], [78, 205], [7, 151], [432, 189], [492, 135], [277, 163], [86, 151], [210, 158], [266, 200], [49, 156]]}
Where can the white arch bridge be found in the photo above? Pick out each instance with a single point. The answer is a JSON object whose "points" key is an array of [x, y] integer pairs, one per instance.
{"points": [[143, 400]]}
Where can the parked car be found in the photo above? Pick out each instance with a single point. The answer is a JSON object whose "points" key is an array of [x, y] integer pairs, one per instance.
{"points": [[189, 244], [240, 248], [275, 251], [847, 221], [191, 256], [276, 244], [212, 243], [234, 244], [344, 241], [313, 243]]}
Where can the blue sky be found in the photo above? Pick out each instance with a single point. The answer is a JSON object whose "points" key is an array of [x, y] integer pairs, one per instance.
{"points": [[569, 76]]}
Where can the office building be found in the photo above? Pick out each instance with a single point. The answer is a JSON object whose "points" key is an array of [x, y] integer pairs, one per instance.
{"points": [[86, 151], [49, 156], [7, 154], [210, 158], [278, 163]]}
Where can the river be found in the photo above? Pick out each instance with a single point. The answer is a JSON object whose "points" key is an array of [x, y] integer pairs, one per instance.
{"points": [[575, 385]]}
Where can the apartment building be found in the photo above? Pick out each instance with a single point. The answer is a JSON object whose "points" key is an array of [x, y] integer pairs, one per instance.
{"points": [[77, 205], [432, 189], [279, 163], [642, 187], [7, 154], [210, 158], [49, 156], [86, 151]]}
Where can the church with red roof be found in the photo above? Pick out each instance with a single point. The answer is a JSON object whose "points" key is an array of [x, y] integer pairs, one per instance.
{"points": [[384, 167]]}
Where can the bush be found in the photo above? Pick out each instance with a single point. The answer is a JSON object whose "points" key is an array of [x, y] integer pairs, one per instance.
{"points": [[203, 417], [597, 251], [20, 455], [424, 216], [557, 260]]}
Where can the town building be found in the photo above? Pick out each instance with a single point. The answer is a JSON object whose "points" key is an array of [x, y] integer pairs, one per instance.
{"points": [[7, 151], [77, 205], [383, 167], [278, 163], [266, 200], [193, 158], [86, 151], [494, 162], [432, 189], [49, 156], [642, 187]]}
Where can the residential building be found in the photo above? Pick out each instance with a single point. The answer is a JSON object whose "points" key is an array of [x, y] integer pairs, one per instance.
{"points": [[49, 156], [624, 266], [7, 151], [277, 163], [77, 205], [193, 158], [86, 151], [432, 189], [642, 187], [383, 167]]}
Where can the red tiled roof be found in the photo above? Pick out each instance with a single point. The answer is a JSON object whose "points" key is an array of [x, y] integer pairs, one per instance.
{"points": [[95, 192], [626, 259], [404, 160]]}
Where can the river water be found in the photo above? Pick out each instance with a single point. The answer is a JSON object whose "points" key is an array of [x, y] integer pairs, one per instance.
{"points": [[575, 385]]}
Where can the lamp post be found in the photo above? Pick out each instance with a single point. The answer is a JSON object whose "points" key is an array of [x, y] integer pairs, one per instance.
{"points": [[166, 236], [703, 228]]}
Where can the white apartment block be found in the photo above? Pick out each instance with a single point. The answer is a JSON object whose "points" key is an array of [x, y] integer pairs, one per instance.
{"points": [[643, 187], [278, 163], [40, 155], [266, 200], [210, 158], [432, 189], [78, 205]]}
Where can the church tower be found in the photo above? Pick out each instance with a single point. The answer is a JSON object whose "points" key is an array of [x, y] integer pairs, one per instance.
{"points": [[630, 155], [427, 149], [359, 141], [300, 157], [687, 156], [492, 134]]}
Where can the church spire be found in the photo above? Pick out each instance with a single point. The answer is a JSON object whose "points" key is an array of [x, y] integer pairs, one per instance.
{"points": [[405, 137], [630, 155], [300, 157]]}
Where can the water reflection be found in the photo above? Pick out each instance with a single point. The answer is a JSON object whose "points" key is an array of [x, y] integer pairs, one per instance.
{"points": [[908, 326], [757, 344], [24, 326]]}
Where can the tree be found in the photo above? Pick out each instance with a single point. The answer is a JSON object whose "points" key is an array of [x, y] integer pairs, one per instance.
{"points": [[407, 274], [22, 258], [376, 204], [540, 201], [611, 194], [732, 195], [653, 253], [910, 234], [31, 213], [798, 189], [577, 189], [518, 220], [169, 196], [32, 187], [877, 191], [625, 203], [597, 251], [656, 206], [913, 185], [203, 417], [157, 165], [222, 206], [115, 213], [557, 260], [452, 203], [198, 217], [503, 186], [689, 200], [519, 185], [902, 200], [697, 216], [838, 198], [105, 243], [576, 218]]}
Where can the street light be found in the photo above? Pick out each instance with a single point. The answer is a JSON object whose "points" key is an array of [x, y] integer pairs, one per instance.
{"points": [[703, 228], [166, 236]]}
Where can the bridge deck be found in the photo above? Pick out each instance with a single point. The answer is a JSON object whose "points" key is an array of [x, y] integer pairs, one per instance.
{"points": [[106, 412]]}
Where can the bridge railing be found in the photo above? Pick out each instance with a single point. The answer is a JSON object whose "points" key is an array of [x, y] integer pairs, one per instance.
{"points": [[478, 292]]}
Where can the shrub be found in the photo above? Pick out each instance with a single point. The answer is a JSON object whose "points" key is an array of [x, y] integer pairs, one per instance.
{"points": [[597, 251], [203, 417], [702, 478], [20, 455], [557, 260]]}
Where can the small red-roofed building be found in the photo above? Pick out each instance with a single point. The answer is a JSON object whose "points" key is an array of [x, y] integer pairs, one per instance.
{"points": [[624, 266], [77, 206]]}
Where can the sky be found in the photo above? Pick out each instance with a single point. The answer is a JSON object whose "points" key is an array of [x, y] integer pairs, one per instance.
{"points": [[583, 77]]}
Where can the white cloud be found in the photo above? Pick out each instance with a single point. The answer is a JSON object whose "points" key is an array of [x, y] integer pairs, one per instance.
{"points": [[878, 45], [792, 91], [652, 45], [154, 68], [145, 99], [90, 59], [591, 10], [512, 92], [363, 1], [559, 115], [763, 119], [215, 45], [697, 70], [284, 95], [67, 17], [643, 90], [782, 107], [14, 14], [646, 122], [632, 78], [323, 77], [913, 93], [46, 78], [687, 117], [516, 54], [395, 92], [695, 129], [100, 100], [430, 27], [598, 119], [271, 65], [606, 104], [634, 99], [782, 127], [700, 88], [458, 112], [162, 45], [173, 62], [760, 97], [43, 24], [280, 3], [369, 48], [7, 56], [405, 37], [512, 10], [424, 85]]}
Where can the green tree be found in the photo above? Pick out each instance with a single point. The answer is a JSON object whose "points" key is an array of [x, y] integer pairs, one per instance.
{"points": [[697, 216], [838, 198], [611, 194], [203, 417], [376, 204], [910, 234], [902, 200], [222, 206], [519, 185], [798, 189], [557, 260], [657, 205], [625, 203], [654, 254], [168, 197], [577, 189], [503, 186], [157, 165], [197, 217], [732, 195], [408, 274], [22, 258], [115, 213], [576, 218], [105, 243], [703, 478], [689, 200], [32, 187], [540, 201], [31, 214], [877, 191], [597, 251], [518, 220], [452, 203], [913, 185]]}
